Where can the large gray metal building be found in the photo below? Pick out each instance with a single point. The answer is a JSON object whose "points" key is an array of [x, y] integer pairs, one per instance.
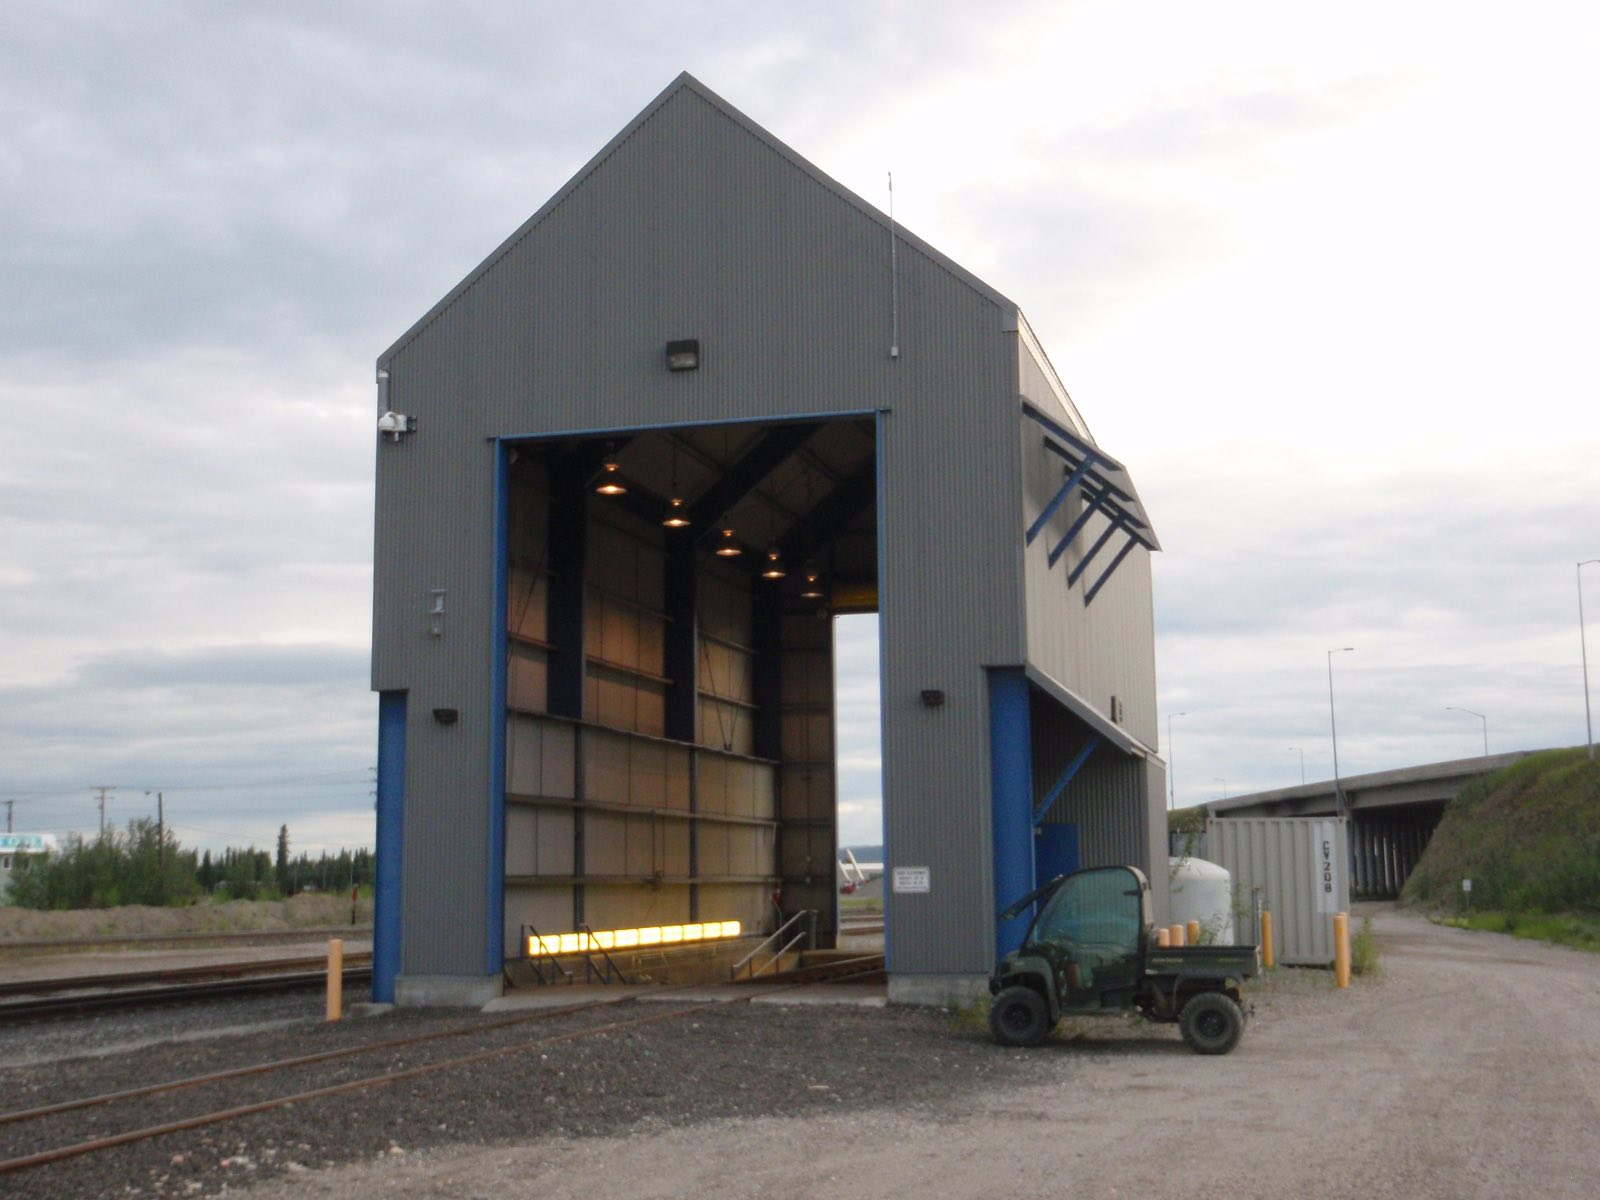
{"points": [[593, 717]]}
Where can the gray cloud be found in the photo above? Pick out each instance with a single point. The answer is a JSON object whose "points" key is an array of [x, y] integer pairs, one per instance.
{"points": [[217, 216]]}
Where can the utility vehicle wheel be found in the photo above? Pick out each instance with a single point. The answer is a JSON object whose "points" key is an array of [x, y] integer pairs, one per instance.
{"points": [[1211, 1023], [1017, 1017]]}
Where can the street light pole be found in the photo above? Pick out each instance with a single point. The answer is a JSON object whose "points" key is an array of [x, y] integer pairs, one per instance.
{"points": [[1481, 717], [1333, 724], [1588, 720], [1172, 775]]}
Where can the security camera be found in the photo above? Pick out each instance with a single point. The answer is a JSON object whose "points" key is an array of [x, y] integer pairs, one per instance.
{"points": [[392, 424]]}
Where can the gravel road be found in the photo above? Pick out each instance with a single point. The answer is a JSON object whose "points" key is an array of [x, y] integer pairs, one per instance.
{"points": [[1470, 1066]]}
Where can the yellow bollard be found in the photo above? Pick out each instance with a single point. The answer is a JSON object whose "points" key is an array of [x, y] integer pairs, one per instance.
{"points": [[1194, 933], [335, 978], [1268, 959], [1341, 949], [1177, 936], [1163, 937]]}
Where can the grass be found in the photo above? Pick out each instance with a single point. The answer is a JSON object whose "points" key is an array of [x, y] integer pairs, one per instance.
{"points": [[1364, 950], [1578, 930]]}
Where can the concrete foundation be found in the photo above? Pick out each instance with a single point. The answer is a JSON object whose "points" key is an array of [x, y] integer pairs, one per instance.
{"points": [[939, 991], [446, 991]]}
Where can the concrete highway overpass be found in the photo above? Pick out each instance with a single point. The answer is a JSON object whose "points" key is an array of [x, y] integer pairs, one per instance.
{"points": [[1392, 814]]}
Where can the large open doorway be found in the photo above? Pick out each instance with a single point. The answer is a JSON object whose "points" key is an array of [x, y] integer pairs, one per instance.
{"points": [[669, 672]]}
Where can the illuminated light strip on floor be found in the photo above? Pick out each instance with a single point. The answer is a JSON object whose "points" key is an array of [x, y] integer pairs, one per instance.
{"points": [[630, 939]]}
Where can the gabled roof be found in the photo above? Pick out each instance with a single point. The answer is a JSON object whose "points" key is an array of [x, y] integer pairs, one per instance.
{"points": [[686, 86]]}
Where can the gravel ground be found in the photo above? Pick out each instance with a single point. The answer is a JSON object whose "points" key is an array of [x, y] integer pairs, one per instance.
{"points": [[1470, 1066]]}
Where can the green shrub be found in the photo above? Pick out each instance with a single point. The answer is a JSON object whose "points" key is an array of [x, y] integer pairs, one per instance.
{"points": [[1364, 950]]}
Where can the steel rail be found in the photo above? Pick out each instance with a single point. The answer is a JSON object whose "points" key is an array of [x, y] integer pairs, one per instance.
{"points": [[100, 1001], [198, 973], [236, 936], [284, 1064], [77, 1149]]}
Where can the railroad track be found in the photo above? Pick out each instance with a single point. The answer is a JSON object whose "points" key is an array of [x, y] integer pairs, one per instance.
{"points": [[34, 999], [151, 941], [835, 972]]}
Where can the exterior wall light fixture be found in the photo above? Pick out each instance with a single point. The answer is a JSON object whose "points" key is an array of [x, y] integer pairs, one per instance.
{"points": [[683, 355]]}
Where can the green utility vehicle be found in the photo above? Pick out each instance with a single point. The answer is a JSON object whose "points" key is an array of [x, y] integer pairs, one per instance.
{"points": [[1092, 949]]}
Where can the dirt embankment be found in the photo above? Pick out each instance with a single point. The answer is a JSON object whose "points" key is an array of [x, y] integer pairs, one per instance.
{"points": [[235, 916]]}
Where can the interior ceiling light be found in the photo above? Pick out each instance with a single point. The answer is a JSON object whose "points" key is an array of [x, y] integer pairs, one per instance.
{"points": [[611, 478], [677, 517], [727, 547], [774, 568], [813, 585]]}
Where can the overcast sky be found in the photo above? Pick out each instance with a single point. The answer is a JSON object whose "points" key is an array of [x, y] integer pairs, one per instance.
{"points": [[1322, 277]]}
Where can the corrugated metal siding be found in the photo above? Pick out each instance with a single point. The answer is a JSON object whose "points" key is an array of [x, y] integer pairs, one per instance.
{"points": [[1099, 650], [694, 224], [1107, 802], [1300, 865]]}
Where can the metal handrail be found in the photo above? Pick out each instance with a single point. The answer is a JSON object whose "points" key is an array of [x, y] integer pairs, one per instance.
{"points": [[805, 917], [590, 970], [535, 960]]}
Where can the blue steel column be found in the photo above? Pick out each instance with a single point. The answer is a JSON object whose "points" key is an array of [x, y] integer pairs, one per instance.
{"points": [[1011, 792], [391, 844], [494, 949]]}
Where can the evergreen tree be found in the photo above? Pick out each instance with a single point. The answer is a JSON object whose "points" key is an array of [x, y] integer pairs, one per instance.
{"points": [[282, 865]]}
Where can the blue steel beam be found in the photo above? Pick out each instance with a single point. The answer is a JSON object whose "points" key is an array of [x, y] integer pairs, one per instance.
{"points": [[1060, 785], [1099, 544], [1011, 801], [1089, 510], [1072, 439], [1106, 574], [1073, 481]]}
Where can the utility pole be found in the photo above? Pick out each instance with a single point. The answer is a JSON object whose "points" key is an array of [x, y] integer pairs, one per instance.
{"points": [[104, 790], [10, 804], [161, 832]]}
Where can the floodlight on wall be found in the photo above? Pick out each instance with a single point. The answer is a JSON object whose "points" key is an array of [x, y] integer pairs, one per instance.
{"points": [[774, 568], [683, 355], [393, 425], [611, 478], [727, 547]]}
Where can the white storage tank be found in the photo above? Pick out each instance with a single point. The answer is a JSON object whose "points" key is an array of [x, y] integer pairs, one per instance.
{"points": [[1202, 891]]}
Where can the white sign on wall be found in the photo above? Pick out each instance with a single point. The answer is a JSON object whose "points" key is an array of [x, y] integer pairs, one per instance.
{"points": [[911, 879], [1327, 878]]}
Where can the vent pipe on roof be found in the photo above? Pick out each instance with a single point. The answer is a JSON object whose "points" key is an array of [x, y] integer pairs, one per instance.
{"points": [[894, 279]]}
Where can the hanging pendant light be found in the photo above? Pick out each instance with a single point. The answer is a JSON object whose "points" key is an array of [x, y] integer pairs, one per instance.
{"points": [[677, 516], [611, 477], [812, 590], [774, 568], [727, 547]]}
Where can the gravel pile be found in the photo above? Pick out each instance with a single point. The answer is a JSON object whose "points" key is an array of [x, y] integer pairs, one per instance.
{"points": [[729, 1061]]}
